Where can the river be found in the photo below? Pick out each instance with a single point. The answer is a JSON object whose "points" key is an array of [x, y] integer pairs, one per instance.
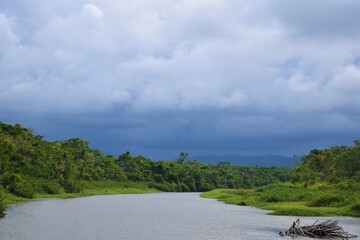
{"points": [[167, 216]]}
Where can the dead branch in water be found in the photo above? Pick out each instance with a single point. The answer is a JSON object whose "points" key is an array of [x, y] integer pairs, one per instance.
{"points": [[327, 229]]}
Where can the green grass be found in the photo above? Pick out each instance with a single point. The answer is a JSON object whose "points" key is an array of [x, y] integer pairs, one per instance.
{"points": [[103, 188], [90, 188], [9, 199], [295, 200], [231, 196]]}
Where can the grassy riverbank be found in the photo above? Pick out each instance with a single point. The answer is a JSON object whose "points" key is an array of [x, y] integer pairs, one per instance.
{"points": [[296, 200], [91, 188]]}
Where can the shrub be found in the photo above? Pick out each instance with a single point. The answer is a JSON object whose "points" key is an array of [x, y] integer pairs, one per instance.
{"points": [[2, 210], [46, 186], [16, 185], [183, 187], [273, 199], [71, 186], [327, 201], [2, 206], [283, 193], [356, 207], [23, 189], [165, 187], [51, 187], [158, 178]]}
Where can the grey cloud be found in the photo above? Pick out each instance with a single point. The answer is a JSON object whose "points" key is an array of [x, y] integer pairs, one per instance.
{"points": [[8, 39], [334, 18], [202, 75]]}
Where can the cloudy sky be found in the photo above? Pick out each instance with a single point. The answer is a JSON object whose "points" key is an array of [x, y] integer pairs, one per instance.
{"points": [[163, 76]]}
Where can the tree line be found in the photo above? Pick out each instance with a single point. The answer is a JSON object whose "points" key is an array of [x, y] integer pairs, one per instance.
{"points": [[30, 164], [331, 165]]}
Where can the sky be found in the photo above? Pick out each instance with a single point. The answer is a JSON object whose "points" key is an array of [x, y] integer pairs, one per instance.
{"points": [[163, 76]]}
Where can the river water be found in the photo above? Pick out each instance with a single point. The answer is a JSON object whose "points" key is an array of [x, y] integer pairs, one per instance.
{"points": [[167, 216]]}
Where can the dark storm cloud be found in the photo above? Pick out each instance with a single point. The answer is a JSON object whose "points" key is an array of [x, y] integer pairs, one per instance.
{"points": [[198, 76], [316, 18]]}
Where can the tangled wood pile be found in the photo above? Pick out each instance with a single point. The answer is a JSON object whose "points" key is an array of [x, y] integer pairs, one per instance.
{"points": [[327, 229]]}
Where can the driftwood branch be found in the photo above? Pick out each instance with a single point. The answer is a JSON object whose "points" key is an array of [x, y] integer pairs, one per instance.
{"points": [[327, 229]]}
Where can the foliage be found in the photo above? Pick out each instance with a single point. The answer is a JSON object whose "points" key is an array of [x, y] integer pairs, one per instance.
{"points": [[16, 185], [333, 165], [71, 186], [29, 164], [284, 193], [296, 199], [328, 200], [46, 186], [2, 198], [356, 207]]}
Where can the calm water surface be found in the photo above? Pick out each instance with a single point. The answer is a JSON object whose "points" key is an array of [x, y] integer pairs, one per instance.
{"points": [[168, 216]]}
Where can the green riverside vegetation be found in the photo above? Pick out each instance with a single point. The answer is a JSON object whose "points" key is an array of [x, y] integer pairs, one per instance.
{"points": [[33, 167], [325, 182]]}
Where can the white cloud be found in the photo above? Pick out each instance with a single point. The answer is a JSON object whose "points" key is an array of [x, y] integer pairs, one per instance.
{"points": [[93, 13], [264, 60], [9, 40], [299, 83], [348, 81]]}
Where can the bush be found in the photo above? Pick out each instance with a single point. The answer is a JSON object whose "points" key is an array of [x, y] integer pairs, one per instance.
{"points": [[165, 187], [183, 187], [47, 186], [271, 199], [2, 210], [327, 201], [283, 193], [71, 186], [51, 187], [158, 178], [23, 189], [2, 206], [356, 207], [16, 185]]}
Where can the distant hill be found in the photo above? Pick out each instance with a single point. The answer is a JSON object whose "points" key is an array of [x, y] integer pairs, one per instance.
{"points": [[262, 160]]}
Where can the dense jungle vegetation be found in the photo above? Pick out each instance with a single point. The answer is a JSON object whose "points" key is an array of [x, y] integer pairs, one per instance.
{"points": [[31, 166], [325, 182]]}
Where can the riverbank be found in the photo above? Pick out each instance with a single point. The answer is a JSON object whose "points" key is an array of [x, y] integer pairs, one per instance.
{"points": [[91, 188], [296, 200]]}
